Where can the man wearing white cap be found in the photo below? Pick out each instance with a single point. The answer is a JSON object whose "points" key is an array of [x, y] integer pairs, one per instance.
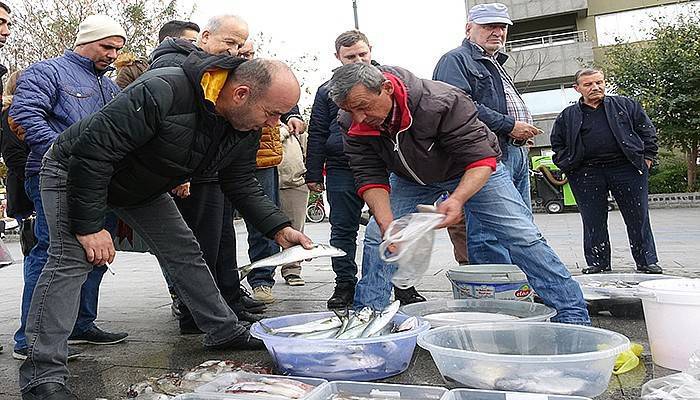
{"points": [[477, 68], [51, 96]]}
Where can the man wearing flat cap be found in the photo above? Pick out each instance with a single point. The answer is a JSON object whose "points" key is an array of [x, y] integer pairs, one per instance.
{"points": [[477, 68], [51, 96]]}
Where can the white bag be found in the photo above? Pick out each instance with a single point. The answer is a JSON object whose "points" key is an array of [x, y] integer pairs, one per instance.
{"points": [[413, 236], [682, 386]]}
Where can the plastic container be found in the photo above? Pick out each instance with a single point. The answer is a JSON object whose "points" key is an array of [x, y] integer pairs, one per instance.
{"points": [[538, 357], [203, 396], [478, 310], [473, 394], [355, 360], [605, 286], [220, 384], [378, 391], [490, 281], [672, 314]]}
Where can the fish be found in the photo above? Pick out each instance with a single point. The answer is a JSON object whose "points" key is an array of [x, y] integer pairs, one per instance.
{"points": [[292, 254], [310, 327], [408, 324], [357, 325], [275, 388], [381, 319]]}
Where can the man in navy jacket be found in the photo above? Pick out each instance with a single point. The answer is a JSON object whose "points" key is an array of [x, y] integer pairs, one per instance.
{"points": [[607, 143]]}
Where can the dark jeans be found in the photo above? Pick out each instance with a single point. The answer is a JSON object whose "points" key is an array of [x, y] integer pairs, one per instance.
{"points": [[630, 187], [54, 305], [259, 246], [209, 215], [34, 263], [346, 208]]}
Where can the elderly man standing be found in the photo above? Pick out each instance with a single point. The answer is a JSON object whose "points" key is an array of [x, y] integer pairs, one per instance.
{"points": [[51, 96], [411, 140], [169, 125], [477, 68], [607, 143]]}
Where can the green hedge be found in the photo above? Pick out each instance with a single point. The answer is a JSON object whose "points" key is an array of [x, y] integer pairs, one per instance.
{"points": [[670, 176]]}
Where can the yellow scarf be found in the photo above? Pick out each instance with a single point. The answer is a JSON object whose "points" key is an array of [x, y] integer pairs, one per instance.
{"points": [[212, 83]]}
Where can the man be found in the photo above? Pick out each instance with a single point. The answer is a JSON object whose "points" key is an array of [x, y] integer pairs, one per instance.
{"points": [[325, 150], [477, 68], [185, 30], [52, 95], [169, 125], [607, 143], [418, 139], [5, 24], [201, 201]]}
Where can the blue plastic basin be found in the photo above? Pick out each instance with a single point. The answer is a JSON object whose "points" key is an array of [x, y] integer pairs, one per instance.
{"points": [[355, 360]]}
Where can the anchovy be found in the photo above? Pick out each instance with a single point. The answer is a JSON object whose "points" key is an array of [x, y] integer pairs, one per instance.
{"points": [[292, 254]]}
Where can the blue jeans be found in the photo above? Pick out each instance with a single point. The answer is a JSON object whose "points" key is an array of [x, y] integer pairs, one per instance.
{"points": [[483, 246], [34, 263], [346, 209], [630, 187], [259, 246], [500, 209]]}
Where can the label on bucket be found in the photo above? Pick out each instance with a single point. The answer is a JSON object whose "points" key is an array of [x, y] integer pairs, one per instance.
{"points": [[499, 291]]}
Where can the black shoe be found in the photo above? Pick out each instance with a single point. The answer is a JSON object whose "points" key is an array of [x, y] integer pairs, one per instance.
{"points": [[96, 335], [408, 296], [343, 296], [250, 304], [596, 269], [241, 342], [49, 391], [22, 354], [650, 269], [244, 315]]}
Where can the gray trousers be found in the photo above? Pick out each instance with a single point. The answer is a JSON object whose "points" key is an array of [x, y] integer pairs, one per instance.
{"points": [[54, 306]]}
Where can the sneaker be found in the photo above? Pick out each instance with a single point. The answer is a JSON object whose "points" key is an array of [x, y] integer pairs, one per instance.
{"points": [[49, 391], [650, 269], [21, 354], [250, 304], [294, 280], [96, 335], [241, 342], [263, 294], [343, 296], [408, 296], [595, 269]]}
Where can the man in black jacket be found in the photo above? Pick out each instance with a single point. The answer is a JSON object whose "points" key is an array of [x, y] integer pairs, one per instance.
{"points": [[325, 150], [607, 143], [169, 125]]}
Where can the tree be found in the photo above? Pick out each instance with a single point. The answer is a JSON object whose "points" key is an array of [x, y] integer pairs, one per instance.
{"points": [[45, 28], [664, 76]]}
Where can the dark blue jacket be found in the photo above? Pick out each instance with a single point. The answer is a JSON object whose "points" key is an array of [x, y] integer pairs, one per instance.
{"points": [[467, 68], [54, 94], [325, 144], [633, 130]]}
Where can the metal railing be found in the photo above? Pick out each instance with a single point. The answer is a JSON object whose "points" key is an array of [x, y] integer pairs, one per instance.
{"points": [[547, 41]]}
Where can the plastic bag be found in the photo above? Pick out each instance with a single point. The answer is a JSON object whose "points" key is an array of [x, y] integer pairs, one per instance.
{"points": [[5, 256], [412, 235], [683, 386]]}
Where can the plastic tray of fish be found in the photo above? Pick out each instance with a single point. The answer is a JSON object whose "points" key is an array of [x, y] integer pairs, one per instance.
{"points": [[243, 385], [604, 286], [475, 394], [376, 391]]}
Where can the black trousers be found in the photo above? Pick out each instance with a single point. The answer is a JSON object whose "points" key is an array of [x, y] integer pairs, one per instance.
{"points": [[630, 187], [209, 215]]}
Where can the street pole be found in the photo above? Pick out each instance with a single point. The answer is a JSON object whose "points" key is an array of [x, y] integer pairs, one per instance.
{"points": [[354, 10]]}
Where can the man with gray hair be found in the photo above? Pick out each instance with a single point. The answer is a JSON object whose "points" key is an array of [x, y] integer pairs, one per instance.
{"points": [[169, 125], [607, 144], [477, 68], [411, 140]]}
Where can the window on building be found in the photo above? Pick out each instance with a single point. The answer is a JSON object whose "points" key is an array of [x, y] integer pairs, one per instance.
{"points": [[550, 101]]}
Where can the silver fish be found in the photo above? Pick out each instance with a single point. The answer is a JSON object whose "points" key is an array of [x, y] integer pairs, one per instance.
{"points": [[357, 325], [310, 327], [292, 254], [381, 319], [408, 324]]}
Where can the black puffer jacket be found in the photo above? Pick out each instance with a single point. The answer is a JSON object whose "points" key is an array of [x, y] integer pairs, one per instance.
{"points": [[153, 136]]}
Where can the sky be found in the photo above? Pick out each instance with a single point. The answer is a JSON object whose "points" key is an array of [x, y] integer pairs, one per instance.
{"points": [[412, 34]]}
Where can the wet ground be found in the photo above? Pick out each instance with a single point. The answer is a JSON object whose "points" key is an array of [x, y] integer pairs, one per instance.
{"points": [[136, 300]]}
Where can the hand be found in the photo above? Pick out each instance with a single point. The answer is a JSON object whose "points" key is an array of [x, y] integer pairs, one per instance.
{"points": [[99, 248], [524, 131], [453, 209], [296, 125], [182, 191], [649, 162], [288, 237], [316, 187]]}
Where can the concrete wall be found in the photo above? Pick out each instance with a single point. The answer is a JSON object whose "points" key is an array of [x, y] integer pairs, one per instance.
{"points": [[544, 122], [527, 9], [555, 61]]}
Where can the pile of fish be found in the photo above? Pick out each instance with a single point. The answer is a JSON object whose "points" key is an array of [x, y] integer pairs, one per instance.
{"points": [[365, 323], [292, 255], [266, 387]]}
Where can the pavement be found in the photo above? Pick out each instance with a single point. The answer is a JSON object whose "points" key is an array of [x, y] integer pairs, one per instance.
{"points": [[136, 300]]}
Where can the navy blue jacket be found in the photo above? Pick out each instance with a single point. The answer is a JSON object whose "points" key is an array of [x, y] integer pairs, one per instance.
{"points": [[467, 68], [325, 144], [633, 130], [54, 94]]}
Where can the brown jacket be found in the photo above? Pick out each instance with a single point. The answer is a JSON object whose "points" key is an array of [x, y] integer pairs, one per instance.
{"points": [[270, 151], [129, 68]]}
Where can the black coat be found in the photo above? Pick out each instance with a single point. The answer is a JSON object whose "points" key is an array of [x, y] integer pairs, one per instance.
{"points": [[155, 135], [14, 153], [633, 130]]}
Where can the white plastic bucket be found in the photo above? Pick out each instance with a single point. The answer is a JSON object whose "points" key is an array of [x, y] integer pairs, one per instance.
{"points": [[490, 281], [672, 313]]}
